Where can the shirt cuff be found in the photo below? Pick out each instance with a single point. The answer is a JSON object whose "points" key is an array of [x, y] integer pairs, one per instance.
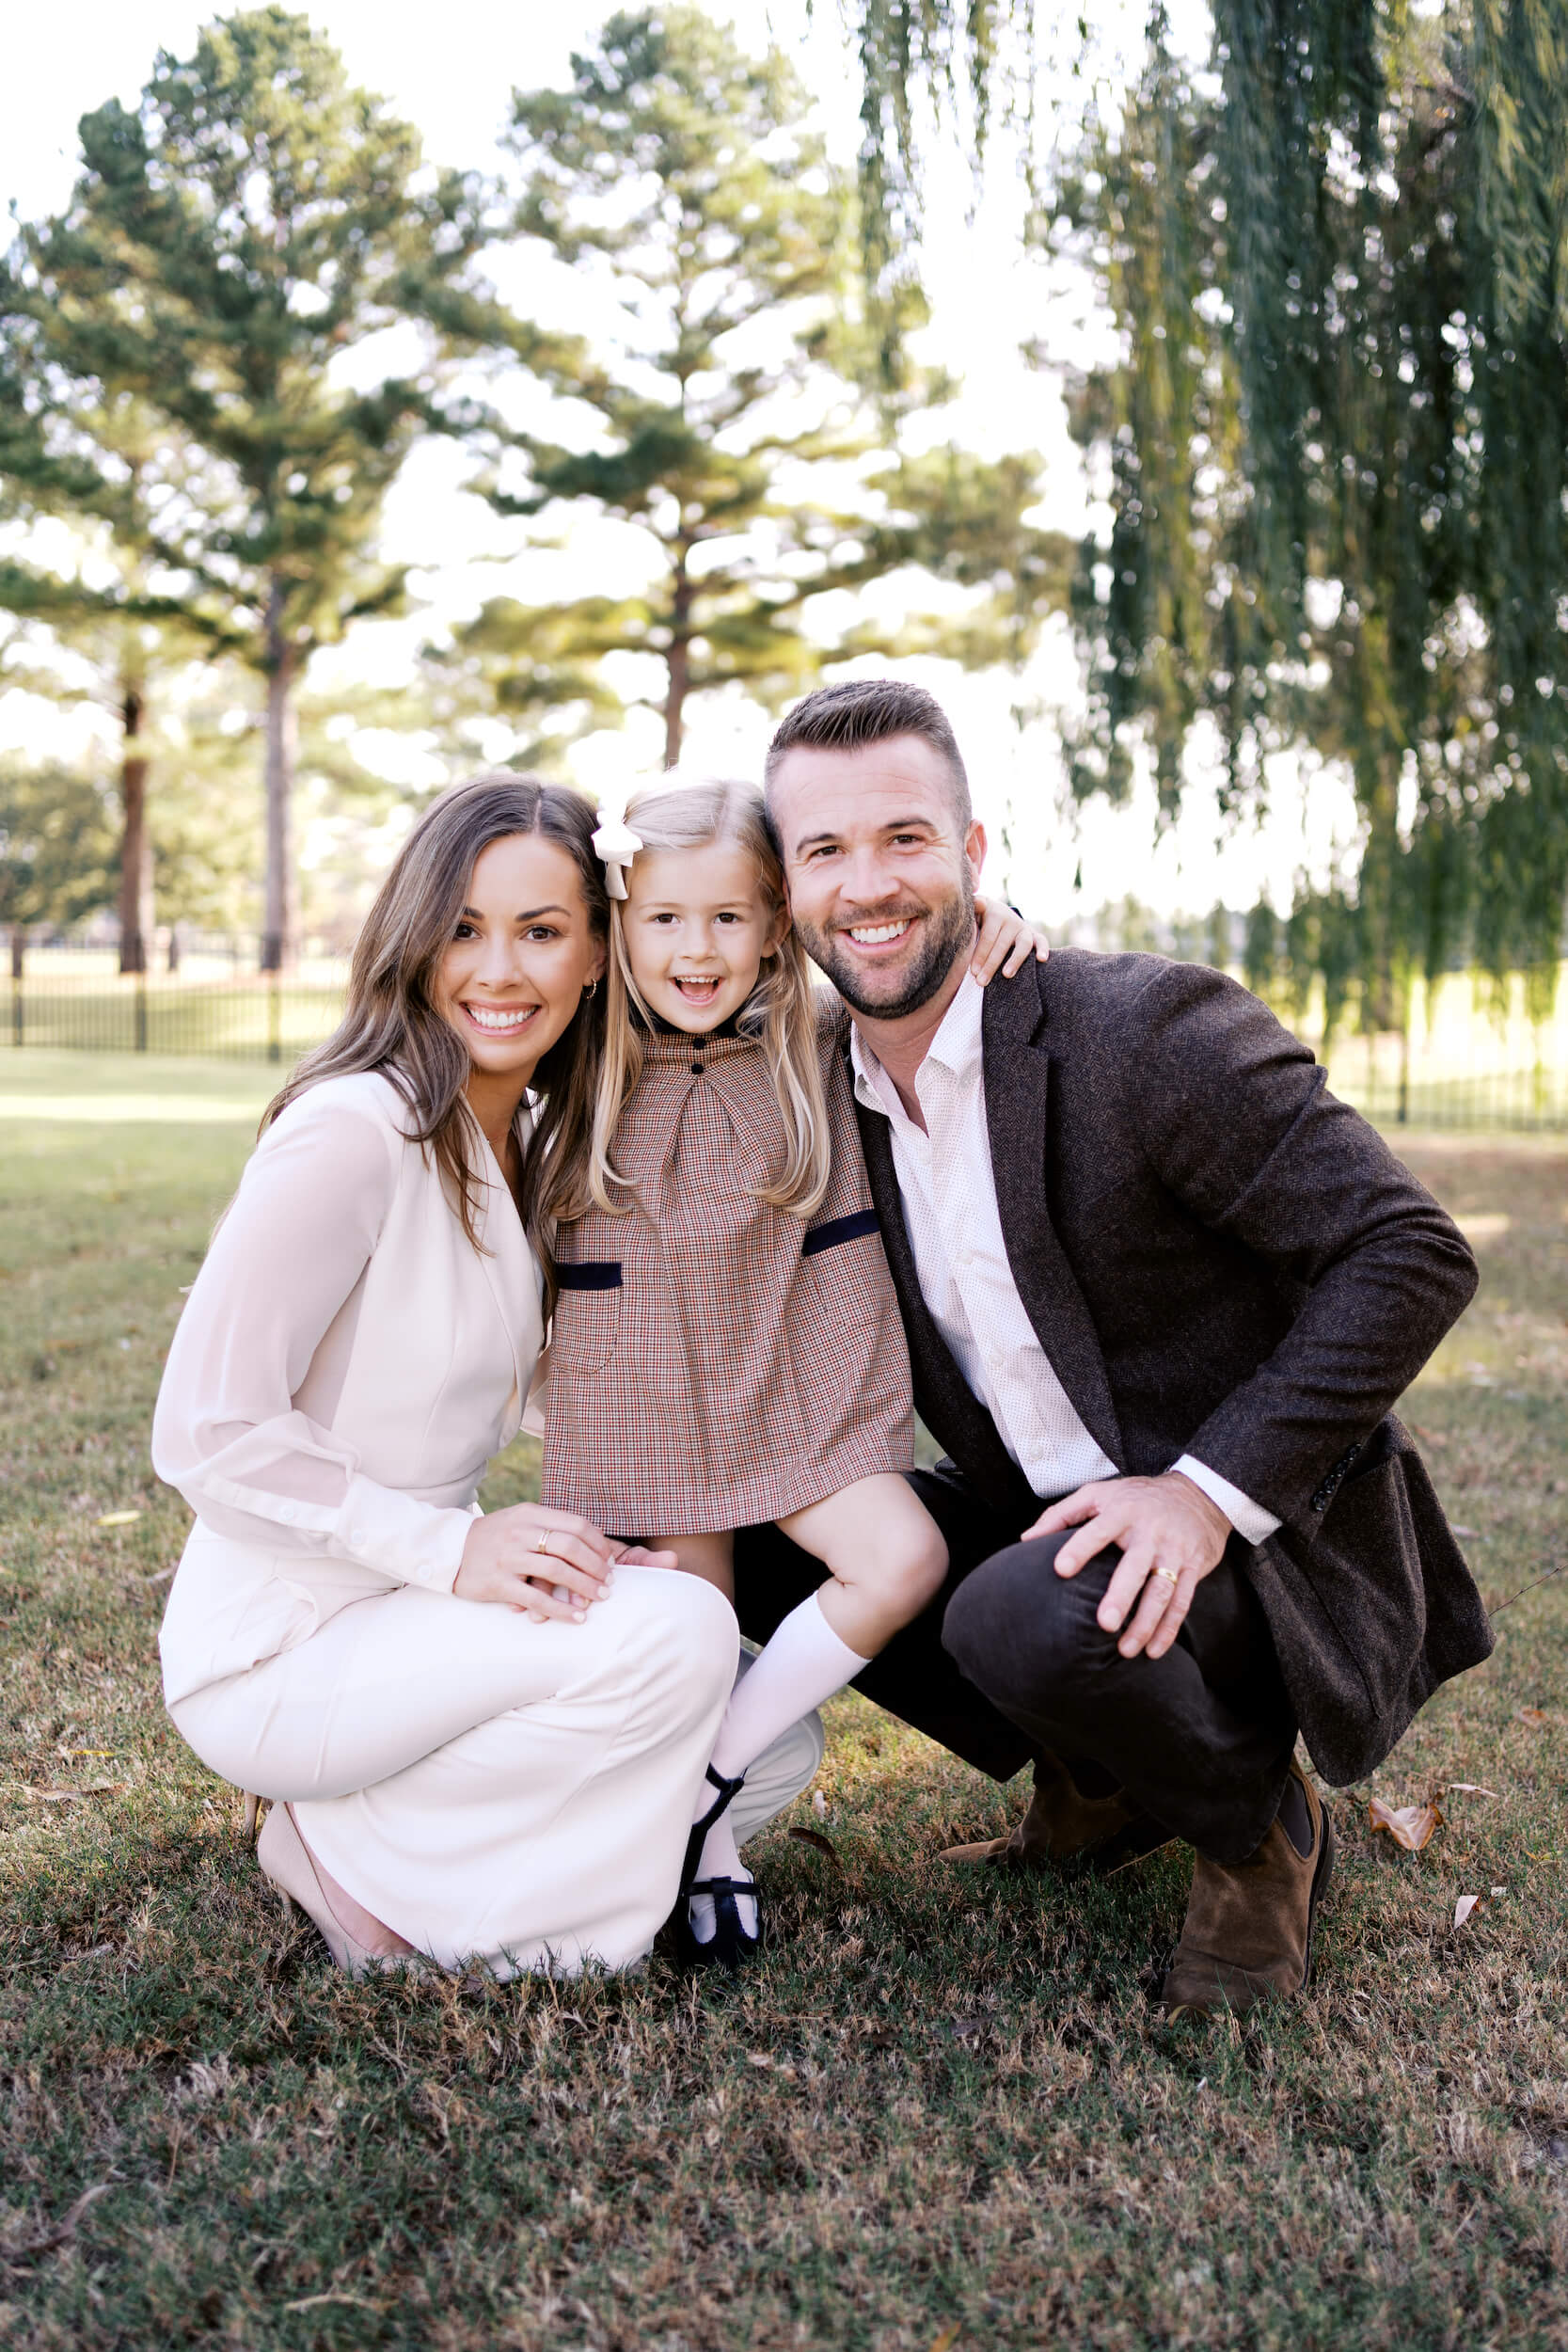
{"points": [[1249, 1519]]}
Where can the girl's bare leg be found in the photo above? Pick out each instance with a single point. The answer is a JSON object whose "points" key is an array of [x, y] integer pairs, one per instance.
{"points": [[885, 1555], [711, 1557]]}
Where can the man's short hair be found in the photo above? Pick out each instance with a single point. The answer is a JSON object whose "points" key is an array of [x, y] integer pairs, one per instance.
{"points": [[847, 717]]}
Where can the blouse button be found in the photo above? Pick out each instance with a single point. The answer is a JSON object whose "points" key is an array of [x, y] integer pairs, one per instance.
{"points": [[697, 1068]]}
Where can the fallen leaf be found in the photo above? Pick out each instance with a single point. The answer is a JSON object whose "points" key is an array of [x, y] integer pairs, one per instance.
{"points": [[52, 2238], [1498, 1890], [118, 1519], [162, 1578], [820, 1804], [1472, 1788], [313, 2302], [1462, 1909], [948, 2338], [1531, 1715], [1408, 1825], [815, 1837]]}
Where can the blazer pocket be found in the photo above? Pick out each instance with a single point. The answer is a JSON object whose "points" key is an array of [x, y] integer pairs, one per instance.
{"points": [[586, 1329]]}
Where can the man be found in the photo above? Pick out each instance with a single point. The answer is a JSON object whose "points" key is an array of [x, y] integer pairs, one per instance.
{"points": [[1162, 1291]]}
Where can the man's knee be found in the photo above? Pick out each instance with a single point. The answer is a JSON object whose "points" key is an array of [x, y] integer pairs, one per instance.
{"points": [[1018, 1630]]}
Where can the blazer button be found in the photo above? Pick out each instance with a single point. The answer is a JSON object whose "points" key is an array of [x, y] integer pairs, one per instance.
{"points": [[697, 1068]]}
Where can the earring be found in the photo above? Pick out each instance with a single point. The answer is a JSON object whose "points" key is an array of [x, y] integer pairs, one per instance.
{"points": [[593, 988]]}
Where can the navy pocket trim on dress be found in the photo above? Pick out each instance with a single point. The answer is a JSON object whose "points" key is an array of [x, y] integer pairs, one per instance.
{"points": [[840, 1228], [588, 1274]]}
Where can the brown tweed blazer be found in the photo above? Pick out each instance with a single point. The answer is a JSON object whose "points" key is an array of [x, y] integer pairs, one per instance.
{"points": [[1220, 1257]]}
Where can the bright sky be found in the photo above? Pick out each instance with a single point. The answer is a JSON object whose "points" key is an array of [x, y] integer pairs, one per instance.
{"points": [[452, 74]]}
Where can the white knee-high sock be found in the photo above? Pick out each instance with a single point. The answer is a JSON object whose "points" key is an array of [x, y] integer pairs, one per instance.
{"points": [[800, 1668], [804, 1663]]}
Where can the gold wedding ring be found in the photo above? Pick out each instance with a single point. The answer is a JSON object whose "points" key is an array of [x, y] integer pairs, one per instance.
{"points": [[541, 1545], [1172, 1576]]}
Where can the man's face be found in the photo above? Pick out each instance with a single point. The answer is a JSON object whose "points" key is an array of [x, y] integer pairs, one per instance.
{"points": [[882, 883]]}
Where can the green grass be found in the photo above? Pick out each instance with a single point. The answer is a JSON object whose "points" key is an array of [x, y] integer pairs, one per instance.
{"points": [[938, 2105]]}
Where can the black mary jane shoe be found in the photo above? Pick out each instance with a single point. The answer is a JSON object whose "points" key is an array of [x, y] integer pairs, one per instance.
{"points": [[729, 1946], [728, 1791]]}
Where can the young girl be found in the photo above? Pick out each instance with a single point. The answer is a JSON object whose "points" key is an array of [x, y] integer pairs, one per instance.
{"points": [[726, 1345]]}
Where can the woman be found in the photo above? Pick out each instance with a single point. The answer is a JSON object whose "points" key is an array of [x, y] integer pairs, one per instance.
{"points": [[482, 1735]]}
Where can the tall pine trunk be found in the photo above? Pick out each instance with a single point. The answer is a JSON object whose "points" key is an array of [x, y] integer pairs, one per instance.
{"points": [[678, 661], [135, 844], [282, 661]]}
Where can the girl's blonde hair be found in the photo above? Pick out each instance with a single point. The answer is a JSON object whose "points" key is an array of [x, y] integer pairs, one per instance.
{"points": [[780, 1011]]}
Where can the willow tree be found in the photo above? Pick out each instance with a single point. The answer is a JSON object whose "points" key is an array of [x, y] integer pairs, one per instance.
{"points": [[1336, 444], [746, 405], [233, 248]]}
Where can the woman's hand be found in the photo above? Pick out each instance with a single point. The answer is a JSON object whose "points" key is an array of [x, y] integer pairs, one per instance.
{"points": [[1005, 942], [549, 1563]]}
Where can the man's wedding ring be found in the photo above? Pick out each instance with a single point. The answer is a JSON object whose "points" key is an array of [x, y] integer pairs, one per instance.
{"points": [[541, 1545], [1172, 1576]]}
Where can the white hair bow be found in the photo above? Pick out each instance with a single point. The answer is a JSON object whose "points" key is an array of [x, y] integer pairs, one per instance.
{"points": [[615, 845]]}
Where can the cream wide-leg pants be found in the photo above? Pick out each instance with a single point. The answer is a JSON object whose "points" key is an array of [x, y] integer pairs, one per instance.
{"points": [[494, 1789]]}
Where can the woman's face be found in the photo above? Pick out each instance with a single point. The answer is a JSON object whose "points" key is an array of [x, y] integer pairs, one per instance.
{"points": [[522, 954]]}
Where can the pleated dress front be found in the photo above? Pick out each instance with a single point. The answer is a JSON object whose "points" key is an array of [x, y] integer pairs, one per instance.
{"points": [[716, 1362]]}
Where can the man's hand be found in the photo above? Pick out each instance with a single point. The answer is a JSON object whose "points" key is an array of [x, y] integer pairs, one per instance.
{"points": [[1171, 1537]]}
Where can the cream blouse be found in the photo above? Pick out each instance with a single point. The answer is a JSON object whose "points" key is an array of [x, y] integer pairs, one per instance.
{"points": [[347, 1364]]}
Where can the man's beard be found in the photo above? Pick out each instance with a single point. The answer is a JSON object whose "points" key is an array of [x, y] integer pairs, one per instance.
{"points": [[948, 935]]}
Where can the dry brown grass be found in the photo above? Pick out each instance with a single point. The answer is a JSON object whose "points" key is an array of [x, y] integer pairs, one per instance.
{"points": [[937, 2106]]}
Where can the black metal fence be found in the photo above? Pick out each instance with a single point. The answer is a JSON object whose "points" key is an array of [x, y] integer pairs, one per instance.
{"points": [[1466, 1062], [69, 993]]}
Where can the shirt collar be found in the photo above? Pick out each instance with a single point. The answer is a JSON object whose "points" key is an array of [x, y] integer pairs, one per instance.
{"points": [[956, 1048]]}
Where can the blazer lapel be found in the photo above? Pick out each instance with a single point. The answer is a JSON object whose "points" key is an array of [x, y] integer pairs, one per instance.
{"points": [[1018, 1110], [947, 1403]]}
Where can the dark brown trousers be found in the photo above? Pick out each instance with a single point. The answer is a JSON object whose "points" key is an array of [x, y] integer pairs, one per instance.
{"points": [[1008, 1661]]}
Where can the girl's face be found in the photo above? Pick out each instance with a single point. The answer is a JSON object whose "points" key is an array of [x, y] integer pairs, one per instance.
{"points": [[522, 952], [697, 927]]}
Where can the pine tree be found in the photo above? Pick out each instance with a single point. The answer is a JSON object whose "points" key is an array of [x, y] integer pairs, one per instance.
{"points": [[750, 394], [78, 452], [232, 241]]}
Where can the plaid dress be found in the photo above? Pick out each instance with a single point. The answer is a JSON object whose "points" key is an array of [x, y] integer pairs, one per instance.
{"points": [[714, 1361]]}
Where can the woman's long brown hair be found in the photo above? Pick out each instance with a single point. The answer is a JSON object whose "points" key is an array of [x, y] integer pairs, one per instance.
{"points": [[393, 1025]]}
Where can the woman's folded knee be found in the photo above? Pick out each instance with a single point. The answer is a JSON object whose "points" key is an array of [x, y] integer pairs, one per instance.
{"points": [[687, 1634]]}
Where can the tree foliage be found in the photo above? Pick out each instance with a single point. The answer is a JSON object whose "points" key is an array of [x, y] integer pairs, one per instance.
{"points": [[1334, 452], [740, 418], [231, 243]]}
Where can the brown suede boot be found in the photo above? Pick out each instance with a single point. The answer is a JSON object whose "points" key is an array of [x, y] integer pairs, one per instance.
{"points": [[1067, 1829], [1248, 1931]]}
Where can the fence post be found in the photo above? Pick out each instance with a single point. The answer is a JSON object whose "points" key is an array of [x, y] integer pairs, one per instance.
{"points": [[275, 1017], [141, 1010], [19, 958]]}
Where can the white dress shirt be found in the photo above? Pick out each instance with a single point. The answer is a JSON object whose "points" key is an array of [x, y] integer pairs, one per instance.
{"points": [[948, 1192]]}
